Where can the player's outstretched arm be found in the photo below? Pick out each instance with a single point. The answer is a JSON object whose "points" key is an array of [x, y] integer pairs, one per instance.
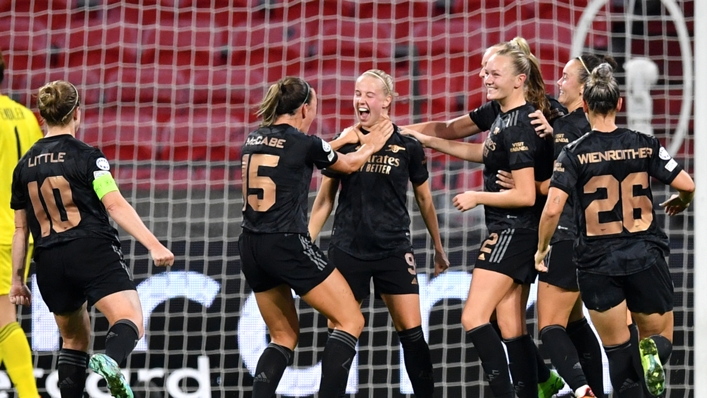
{"points": [[123, 213], [453, 129], [19, 293], [462, 150], [323, 205], [423, 196]]}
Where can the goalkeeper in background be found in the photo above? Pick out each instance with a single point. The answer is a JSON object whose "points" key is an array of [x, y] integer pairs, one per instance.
{"points": [[18, 131]]}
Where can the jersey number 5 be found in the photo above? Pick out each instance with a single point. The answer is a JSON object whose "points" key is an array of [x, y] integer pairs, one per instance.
{"points": [[630, 203], [265, 199], [54, 205]]}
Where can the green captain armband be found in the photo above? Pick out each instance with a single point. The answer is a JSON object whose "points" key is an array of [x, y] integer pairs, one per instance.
{"points": [[103, 183]]}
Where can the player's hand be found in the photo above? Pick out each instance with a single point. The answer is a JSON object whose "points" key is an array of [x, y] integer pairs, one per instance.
{"points": [[350, 135], [419, 136], [465, 201], [20, 294], [379, 134], [441, 262], [542, 126], [540, 259], [505, 180], [674, 205], [162, 257]]}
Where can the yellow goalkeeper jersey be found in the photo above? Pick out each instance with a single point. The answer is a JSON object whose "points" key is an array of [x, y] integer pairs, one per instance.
{"points": [[19, 130]]}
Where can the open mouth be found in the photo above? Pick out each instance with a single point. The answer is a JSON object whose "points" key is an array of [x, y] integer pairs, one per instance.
{"points": [[363, 113]]}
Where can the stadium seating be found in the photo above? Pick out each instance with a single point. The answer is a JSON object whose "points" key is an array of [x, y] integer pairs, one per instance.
{"points": [[206, 135], [125, 133], [28, 46], [167, 53], [147, 84], [93, 43], [189, 40]]}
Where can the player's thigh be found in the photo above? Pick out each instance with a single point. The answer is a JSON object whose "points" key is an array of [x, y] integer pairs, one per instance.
{"points": [[334, 299], [486, 291], [510, 312], [124, 304], [611, 325], [74, 328], [555, 304], [404, 310], [277, 308]]}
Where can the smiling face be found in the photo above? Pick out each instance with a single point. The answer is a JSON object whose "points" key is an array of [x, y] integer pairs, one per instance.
{"points": [[569, 84], [370, 100], [501, 80], [491, 51]]}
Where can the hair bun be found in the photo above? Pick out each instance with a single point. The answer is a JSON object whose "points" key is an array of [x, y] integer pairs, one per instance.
{"points": [[604, 72]]}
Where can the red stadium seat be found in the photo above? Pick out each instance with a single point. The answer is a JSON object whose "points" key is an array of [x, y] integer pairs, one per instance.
{"points": [[395, 10], [147, 84], [353, 38], [225, 85], [93, 43], [15, 6], [211, 135], [258, 44], [24, 43], [192, 39], [124, 133], [471, 180], [449, 36]]}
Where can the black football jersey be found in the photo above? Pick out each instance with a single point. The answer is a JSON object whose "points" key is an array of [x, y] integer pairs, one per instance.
{"points": [[276, 165], [610, 175], [371, 220], [485, 115], [567, 129], [513, 145], [53, 182]]}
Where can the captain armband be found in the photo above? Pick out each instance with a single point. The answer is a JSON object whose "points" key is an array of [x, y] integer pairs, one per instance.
{"points": [[103, 183]]}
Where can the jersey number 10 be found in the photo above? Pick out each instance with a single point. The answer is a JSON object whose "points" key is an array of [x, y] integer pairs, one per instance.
{"points": [[60, 213]]}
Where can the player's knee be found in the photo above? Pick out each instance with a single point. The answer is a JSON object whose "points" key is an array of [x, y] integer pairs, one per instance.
{"points": [[473, 319], [76, 341], [287, 339], [352, 323]]}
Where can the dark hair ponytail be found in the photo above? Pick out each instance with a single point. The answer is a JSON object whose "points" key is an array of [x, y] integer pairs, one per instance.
{"points": [[284, 97]]}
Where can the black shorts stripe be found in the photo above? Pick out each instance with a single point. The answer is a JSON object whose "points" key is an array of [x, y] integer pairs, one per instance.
{"points": [[502, 246]]}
